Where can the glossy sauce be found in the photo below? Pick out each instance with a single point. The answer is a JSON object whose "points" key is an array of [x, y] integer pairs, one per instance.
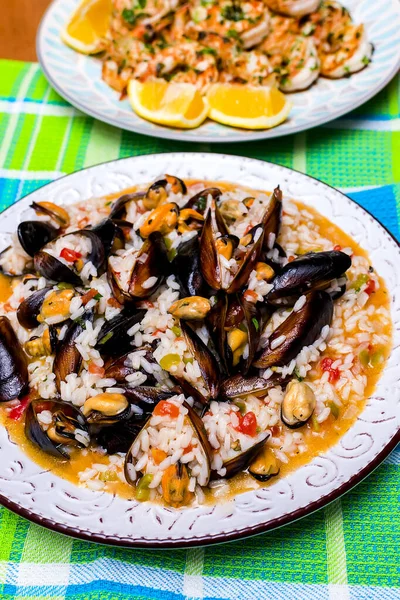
{"points": [[319, 442]]}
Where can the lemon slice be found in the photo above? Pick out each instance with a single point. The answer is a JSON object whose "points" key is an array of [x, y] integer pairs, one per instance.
{"points": [[173, 104], [88, 25], [247, 106]]}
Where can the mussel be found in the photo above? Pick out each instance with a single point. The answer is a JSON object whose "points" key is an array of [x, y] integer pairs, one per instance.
{"points": [[54, 211], [235, 325], [191, 308], [301, 328], [33, 235], [186, 266], [113, 338], [265, 465], [199, 462], [119, 367], [14, 379], [157, 193], [53, 426], [237, 386], [107, 409], [29, 309], [272, 219], [110, 234], [118, 208], [314, 270], [67, 358], [199, 201], [298, 404], [149, 268], [218, 248], [208, 365], [54, 269], [241, 462]]}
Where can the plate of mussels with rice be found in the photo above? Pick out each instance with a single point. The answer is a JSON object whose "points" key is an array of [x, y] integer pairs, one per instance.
{"points": [[193, 348]]}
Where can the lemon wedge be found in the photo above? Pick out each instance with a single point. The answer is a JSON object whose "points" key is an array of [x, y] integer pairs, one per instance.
{"points": [[247, 106], [88, 25], [173, 104]]}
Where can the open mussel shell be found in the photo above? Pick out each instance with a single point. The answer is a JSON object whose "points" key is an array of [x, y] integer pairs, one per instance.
{"points": [[242, 461], [199, 432], [238, 386], [33, 235], [118, 208], [272, 219], [29, 309], [186, 266], [113, 339], [214, 227], [118, 438], [248, 262], [68, 427], [110, 234], [300, 329], [67, 358], [314, 270], [50, 267], [207, 363], [119, 367], [298, 404], [199, 201], [107, 409], [265, 465], [14, 379]]}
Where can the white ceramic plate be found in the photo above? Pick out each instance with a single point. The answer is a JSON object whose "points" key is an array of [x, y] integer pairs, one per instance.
{"points": [[78, 79], [55, 503]]}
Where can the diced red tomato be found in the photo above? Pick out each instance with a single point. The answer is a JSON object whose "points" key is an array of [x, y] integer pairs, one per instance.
{"points": [[70, 255], [89, 296], [166, 409], [188, 449], [248, 424], [371, 286], [96, 369], [337, 248], [291, 258], [114, 303], [326, 365], [250, 296], [275, 430], [16, 413]]}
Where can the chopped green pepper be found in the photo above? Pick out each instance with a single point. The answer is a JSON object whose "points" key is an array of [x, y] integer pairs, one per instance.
{"points": [[334, 409], [142, 488], [63, 285], [177, 330], [108, 476], [169, 360]]}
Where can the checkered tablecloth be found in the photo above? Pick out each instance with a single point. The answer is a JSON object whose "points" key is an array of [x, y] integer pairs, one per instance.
{"points": [[349, 550]]}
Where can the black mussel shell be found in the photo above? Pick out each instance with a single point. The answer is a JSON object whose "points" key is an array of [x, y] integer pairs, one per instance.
{"points": [[214, 227], [119, 367], [300, 329], [113, 339], [199, 201], [186, 266], [118, 438], [145, 398], [242, 461], [118, 209], [155, 265], [67, 358], [14, 379], [29, 309], [217, 321], [110, 234], [178, 186], [67, 419], [237, 386], [265, 465], [53, 269], [207, 362], [272, 218], [314, 270], [33, 235], [247, 264]]}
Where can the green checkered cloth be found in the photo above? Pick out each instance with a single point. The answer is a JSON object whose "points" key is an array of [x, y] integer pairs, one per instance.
{"points": [[349, 550]]}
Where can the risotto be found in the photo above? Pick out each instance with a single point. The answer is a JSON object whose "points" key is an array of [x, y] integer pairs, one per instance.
{"points": [[184, 341]]}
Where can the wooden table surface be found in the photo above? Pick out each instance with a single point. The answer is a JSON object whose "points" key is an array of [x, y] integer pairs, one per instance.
{"points": [[19, 21]]}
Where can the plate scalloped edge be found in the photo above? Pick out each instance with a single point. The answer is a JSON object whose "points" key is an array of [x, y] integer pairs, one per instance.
{"points": [[78, 79], [57, 504]]}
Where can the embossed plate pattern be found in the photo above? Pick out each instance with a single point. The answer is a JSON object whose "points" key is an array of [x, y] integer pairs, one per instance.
{"points": [[55, 503], [78, 79]]}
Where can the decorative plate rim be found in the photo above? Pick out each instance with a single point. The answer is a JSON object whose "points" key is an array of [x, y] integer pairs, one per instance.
{"points": [[166, 133], [208, 539]]}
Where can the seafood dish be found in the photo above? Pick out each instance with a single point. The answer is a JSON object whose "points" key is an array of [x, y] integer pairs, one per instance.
{"points": [[185, 341], [257, 43]]}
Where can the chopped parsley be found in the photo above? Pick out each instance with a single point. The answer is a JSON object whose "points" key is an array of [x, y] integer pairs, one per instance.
{"points": [[98, 296], [129, 16], [105, 339], [255, 323], [232, 33], [232, 12], [365, 60], [208, 50]]}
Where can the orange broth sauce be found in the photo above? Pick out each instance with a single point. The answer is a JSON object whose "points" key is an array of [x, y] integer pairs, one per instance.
{"points": [[317, 442]]}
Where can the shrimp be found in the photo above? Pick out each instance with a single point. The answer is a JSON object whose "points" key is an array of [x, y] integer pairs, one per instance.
{"points": [[353, 56], [128, 15], [120, 63], [293, 8], [343, 47], [246, 22], [293, 56], [252, 67]]}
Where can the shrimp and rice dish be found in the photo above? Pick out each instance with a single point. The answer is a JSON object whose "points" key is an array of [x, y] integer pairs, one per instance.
{"points": [[183, 335]]}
